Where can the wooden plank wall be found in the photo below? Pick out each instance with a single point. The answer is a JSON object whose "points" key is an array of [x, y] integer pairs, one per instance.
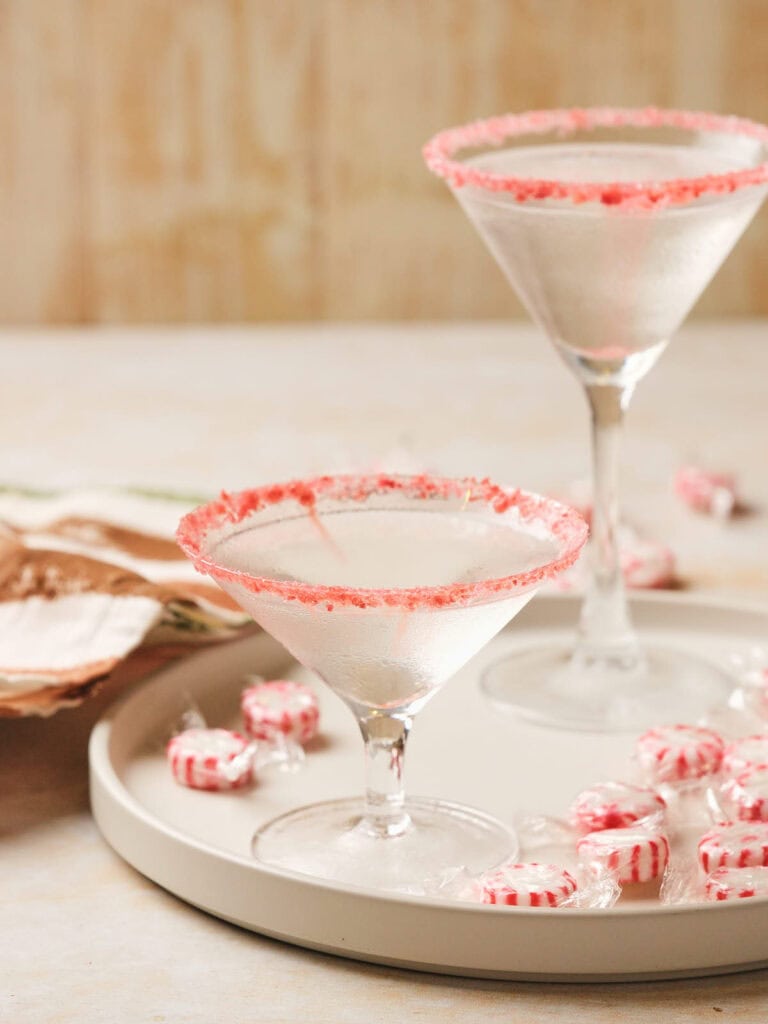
{"points": [[230, 160]]}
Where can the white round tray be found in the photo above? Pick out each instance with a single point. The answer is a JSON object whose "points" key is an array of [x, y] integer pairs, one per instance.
{"points": [[196, 844]]}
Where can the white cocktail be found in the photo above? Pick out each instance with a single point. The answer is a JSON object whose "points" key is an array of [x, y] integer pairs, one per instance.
{"points": [[608, 224], [384, 586]]}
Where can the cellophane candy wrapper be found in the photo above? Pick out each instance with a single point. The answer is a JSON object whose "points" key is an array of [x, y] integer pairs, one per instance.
{"points": [[748, 704], [280, 754], [691, 806], [186, 714], [681, 883], [276, 747]]}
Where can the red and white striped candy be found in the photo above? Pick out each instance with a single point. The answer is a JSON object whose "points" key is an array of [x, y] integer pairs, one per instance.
{"points": [[212, 759], [631, 854], [741, 844], [528, 885], [748, 793], [736, 883], [646, 564], [614, 805], [745, 752], [675, 753], [280, 706], [711, 493]]}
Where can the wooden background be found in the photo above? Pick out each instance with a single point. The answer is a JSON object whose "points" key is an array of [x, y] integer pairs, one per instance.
{"points": [[233, 160]]}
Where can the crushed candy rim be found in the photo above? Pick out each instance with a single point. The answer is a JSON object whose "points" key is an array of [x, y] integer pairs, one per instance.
{"points": [[440, 151], [564, 524]]}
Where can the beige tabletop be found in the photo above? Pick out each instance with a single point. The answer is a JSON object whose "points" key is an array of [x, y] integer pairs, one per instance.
{"points": [[85, 938]]}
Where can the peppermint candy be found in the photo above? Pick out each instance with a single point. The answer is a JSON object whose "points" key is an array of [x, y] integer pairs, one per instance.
{"points": [[736, 883], [748, 793], [711, 493], [740, 844], [211, 759], [614, 805], [677, 753], [528, 885], [280, 708], [631, 854]]}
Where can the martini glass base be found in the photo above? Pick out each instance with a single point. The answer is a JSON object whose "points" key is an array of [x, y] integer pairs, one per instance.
{"points": [[328, 841], [544, 686]]}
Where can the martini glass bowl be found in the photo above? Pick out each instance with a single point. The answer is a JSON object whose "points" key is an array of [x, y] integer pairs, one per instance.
{"points": [[608, 223], [384, 586]]}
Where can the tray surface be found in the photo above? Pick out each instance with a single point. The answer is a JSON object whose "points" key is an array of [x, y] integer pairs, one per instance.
{"points": [[196, 844]]}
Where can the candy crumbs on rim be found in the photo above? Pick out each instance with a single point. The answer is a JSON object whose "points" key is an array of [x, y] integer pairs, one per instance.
{"points": [[210, 759], [527, 885], [676, 753], [564, 524], [736, 883], [493, 132]]}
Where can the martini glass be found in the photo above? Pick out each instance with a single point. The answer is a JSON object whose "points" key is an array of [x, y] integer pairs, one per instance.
{"points": [[384, 586], [608, 224]]}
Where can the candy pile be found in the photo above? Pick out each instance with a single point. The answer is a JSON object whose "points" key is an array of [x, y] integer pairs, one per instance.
{"points": [[279, 717], [693, 828]]}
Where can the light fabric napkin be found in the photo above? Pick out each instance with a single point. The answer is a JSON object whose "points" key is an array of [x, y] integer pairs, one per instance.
{"points": [[86, 578]]}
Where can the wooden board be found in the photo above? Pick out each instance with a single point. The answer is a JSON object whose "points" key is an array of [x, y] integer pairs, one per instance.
{"points": [[234, 160]]}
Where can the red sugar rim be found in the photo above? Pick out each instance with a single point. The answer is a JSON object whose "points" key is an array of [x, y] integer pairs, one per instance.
{"points": [[440, 150], [565, 525]]}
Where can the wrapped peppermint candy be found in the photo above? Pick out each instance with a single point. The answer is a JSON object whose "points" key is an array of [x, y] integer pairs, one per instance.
{"points": [[211, 759], [611, 805], [281, 715], [682, 762], [736, 883], [713, 494], [632, 855], [746, 795], [739, 844], [528, 885]]}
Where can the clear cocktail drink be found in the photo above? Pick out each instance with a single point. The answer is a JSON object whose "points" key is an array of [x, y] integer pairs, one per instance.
{"points": [[608, 223], [384, 586], [383, 658], [610, 287]]}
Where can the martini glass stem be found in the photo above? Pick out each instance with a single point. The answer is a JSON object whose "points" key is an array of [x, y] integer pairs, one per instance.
{"points": [[606, 636], [385, 736]]}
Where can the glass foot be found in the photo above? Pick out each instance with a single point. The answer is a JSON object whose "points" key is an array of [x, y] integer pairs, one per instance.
{"points": [[544, 686], [329, 841]]}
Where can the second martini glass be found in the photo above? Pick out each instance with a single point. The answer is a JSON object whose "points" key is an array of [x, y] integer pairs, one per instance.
{"points": [[384, 586], [608, 223]]}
